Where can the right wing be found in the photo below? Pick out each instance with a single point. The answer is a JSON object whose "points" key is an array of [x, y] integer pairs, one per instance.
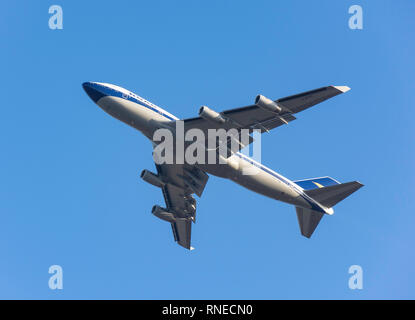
{"points": [[254, 117]]}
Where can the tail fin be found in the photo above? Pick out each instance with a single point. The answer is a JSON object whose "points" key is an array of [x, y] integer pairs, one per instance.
{"points": [[328, 196], [308, 184], [331, 195]]}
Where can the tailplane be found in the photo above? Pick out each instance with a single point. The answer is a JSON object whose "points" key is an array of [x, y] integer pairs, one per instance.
{"points": [[327, 192], [331, 195], [308, 220]]}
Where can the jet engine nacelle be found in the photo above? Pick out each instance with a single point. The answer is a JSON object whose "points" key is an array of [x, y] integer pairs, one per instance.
{"points": [[267, 104], [211, 115], [152, 178], [163, 214]]}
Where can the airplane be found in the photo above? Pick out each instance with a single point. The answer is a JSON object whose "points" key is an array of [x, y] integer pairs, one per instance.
{"points": [[312, 198]]}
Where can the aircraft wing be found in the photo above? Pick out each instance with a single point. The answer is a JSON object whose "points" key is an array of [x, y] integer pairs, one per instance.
{"points": [[181, 182], [255, 117]]}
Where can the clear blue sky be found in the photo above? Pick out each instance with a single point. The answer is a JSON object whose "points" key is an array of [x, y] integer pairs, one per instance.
{"points": [[70, 192]]}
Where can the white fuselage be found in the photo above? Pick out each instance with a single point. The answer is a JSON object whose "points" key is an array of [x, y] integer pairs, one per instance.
{"points": [[147, 118]]}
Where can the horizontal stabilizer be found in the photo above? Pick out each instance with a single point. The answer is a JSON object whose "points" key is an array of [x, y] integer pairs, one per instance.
{"points": [[308, 220], [329, 196]]}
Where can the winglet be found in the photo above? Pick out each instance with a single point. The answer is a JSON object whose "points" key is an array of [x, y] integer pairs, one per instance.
{"points": [[342, 88]]}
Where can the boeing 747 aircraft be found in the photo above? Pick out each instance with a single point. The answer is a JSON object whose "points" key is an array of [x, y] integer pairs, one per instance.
{"points": [[178, 181]]}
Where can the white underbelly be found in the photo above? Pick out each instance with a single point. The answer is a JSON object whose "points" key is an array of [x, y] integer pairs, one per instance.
{"points": [[133, 114]]}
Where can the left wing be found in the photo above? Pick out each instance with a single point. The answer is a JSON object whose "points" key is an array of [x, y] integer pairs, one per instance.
{"points": [[179, 183]]}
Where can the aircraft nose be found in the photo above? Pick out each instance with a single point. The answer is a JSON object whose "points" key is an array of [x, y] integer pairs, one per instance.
{"points": [[93, 91]]}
